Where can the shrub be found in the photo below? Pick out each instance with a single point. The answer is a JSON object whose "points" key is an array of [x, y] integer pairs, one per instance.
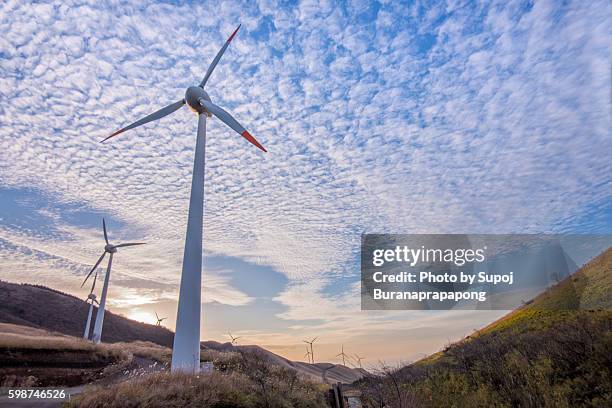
{"points": [[561, 365], [252, 382]]}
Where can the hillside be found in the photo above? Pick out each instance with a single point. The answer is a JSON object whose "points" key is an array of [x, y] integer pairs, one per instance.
{"points": [[588, 289], [553, 351], [36, 357], [46, 308], [322, 372]]}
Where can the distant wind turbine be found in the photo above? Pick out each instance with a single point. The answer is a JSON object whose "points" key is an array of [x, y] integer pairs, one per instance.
{"points": [[91, 298], [343, 355], [311, 348], [159, 319], [108, 249], [358, 360], [307, 355], [234, 339], [186, 349]]}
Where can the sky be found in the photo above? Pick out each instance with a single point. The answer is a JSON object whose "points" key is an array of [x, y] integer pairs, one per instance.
{"points": [[378, 117]]}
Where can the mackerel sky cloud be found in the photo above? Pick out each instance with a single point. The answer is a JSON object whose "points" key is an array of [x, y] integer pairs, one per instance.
{"points": [[379, 117]]}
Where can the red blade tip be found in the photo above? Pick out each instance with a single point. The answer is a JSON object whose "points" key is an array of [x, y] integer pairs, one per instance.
{"points": [[251, 139], [234, 33], [113, 135]]}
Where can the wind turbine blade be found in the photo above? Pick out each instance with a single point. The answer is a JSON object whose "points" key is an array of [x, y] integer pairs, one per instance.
{"points": [[154, 116], [313, 340], [130, 244], [94, 268], [231, 122], [213, 64], [104, 228], [94, 282]]}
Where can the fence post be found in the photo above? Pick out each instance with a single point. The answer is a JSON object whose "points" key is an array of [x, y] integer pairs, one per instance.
{"points": [[340, 395]]}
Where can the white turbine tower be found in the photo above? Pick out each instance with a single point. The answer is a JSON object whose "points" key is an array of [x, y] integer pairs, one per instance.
{"points": [[108, 249], [186, 349], [307, 355], [92, 299]]}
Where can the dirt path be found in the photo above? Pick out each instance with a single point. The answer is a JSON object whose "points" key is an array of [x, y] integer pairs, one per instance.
{"points": [[139, 367]]}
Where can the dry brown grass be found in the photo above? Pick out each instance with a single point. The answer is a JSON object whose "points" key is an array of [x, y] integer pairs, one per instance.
{"points": [[239, 380], [170, 390], [10, 340], [24, 330], [145, 349], [24, 338], [30, 356], [223, 360], [215, 389]]}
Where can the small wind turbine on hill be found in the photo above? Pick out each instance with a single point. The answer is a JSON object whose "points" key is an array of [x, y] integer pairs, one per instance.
{"points": [[234, 339], [91, 298], [159, 319], [186, 349], [307, 355], [311, 348], [108, 249], [343, 355], [358, 360]]}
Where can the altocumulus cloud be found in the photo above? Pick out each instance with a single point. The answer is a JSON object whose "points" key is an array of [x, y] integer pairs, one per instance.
{"points": [[378, 117]]}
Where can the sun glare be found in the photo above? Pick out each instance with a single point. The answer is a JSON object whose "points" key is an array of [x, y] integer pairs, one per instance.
{"points": [[142, 316]]}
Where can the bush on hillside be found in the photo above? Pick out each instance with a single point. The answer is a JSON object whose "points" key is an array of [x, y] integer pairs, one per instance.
{"points": [[248, 381]]}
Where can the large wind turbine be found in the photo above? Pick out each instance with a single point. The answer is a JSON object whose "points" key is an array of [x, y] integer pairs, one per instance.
{"points": [[108, 249], [186, 349], [92, 299]]}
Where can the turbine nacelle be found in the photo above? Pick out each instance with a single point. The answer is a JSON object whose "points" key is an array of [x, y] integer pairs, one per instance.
{"points": [[193, 95], [108, 249]]}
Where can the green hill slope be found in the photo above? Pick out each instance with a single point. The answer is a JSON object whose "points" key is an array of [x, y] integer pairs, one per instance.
{"points": [[588, 291], [553, 351]]}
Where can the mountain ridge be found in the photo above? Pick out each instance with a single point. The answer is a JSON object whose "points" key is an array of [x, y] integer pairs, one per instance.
{"points": [[30, 305]]}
